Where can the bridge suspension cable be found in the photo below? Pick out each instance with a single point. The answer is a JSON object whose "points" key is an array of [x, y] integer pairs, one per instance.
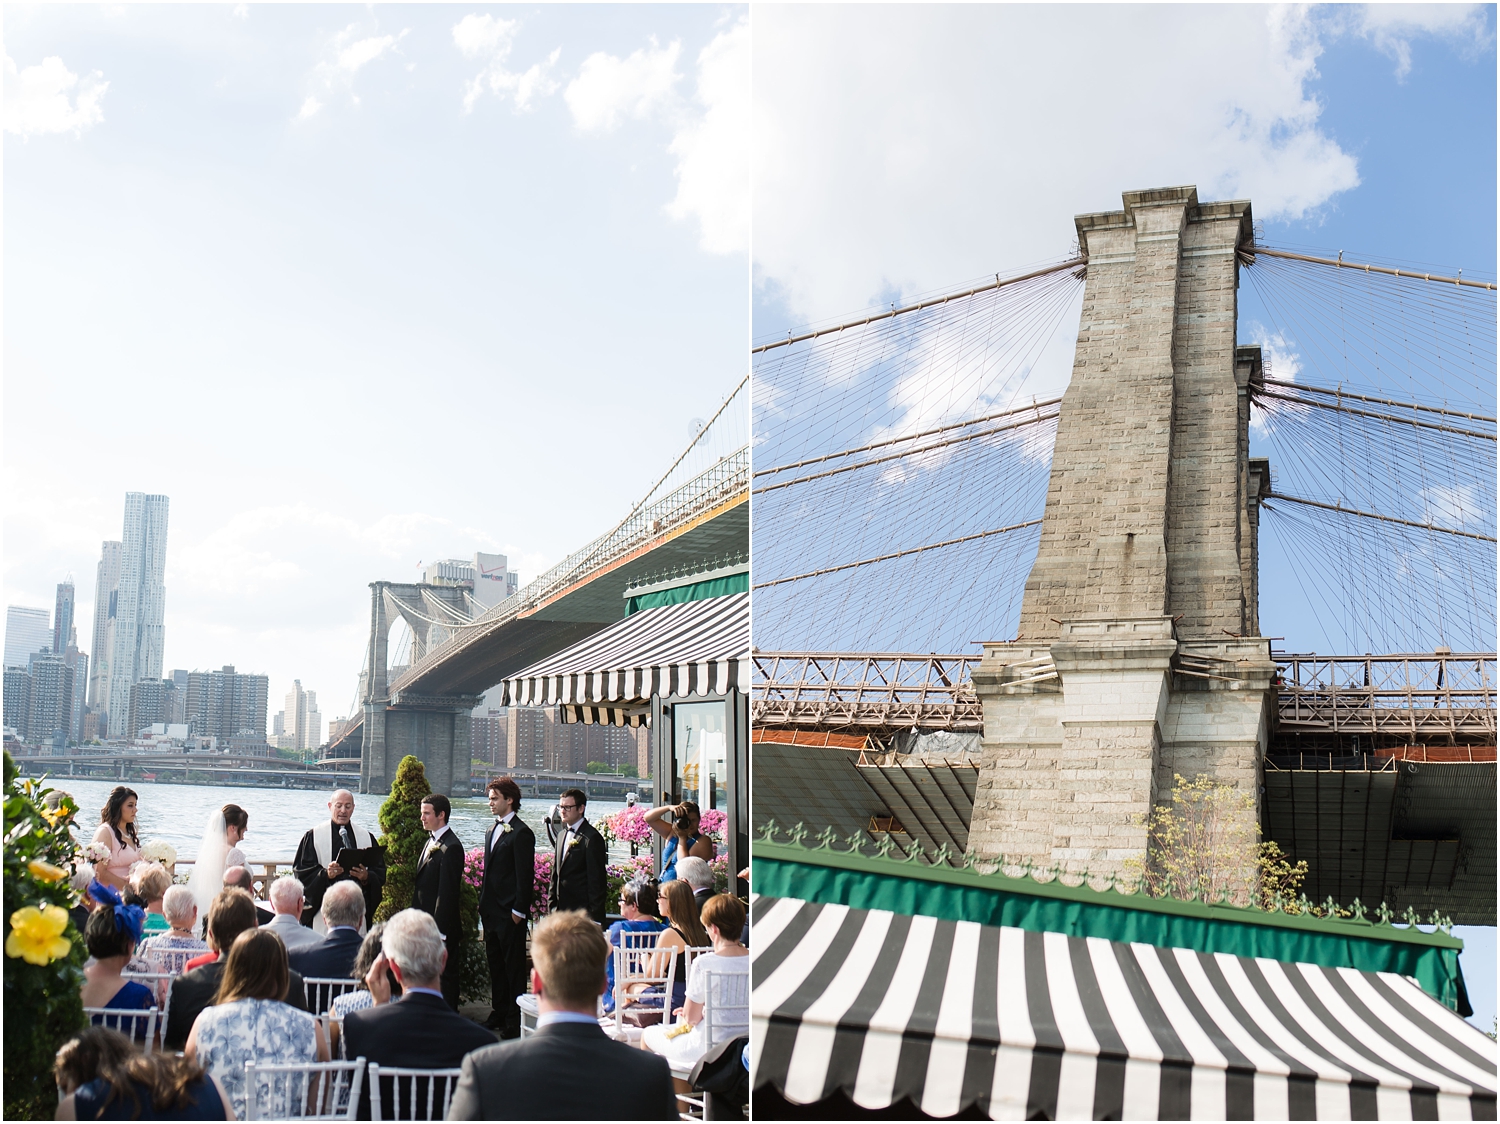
{"points": [[1436, 426], [897, 554], [998, 283], [1249, 256], [918, 451], [1339, 392], [1342, 510]]}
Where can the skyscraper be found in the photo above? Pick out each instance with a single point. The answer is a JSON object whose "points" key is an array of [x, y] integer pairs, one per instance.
{"points": [[302, 723], [140, 608], [62, 618], [26, 633], [106, 591], [220, 704], [50, 713]]}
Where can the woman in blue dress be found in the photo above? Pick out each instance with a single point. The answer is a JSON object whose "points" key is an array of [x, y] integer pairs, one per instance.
{"points": [[112, 932], [678, 825], [638, 905]]}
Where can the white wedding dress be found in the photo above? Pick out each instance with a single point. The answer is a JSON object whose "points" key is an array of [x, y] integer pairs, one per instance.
{"points": [[207, 878]]}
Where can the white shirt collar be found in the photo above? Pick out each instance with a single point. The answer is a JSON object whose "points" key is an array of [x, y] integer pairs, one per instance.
{"points": [[507, 817], [440, 831]]}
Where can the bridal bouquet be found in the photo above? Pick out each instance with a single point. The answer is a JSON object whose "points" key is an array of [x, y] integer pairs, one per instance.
{"points": [[159, 851], [96, 853]]}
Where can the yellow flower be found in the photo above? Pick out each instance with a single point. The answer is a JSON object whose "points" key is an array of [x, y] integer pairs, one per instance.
{"points": [[36, 934], [44, 871]]}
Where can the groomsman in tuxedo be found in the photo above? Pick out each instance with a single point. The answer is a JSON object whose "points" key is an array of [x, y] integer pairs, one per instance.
{"points": [[578, 880], [438, 884], [505, 903]]}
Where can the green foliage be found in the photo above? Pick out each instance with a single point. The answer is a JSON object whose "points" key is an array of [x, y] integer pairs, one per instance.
{"points": [[43, 1007], [1201, 846], [404, 838]]}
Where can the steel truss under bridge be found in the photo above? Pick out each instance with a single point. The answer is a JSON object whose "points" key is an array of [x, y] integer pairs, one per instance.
{"points": [[1399, 699]]}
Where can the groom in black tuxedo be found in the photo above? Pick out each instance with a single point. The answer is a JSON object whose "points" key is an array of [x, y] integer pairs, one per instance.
{"points": [[438, 884], [578, 879], [505, 903]]}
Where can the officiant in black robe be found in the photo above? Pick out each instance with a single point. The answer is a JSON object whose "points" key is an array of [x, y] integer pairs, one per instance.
{"points": [[317, 869]]}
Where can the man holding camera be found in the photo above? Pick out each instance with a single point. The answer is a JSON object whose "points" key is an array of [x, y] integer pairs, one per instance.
{"points": [[578, 879]]}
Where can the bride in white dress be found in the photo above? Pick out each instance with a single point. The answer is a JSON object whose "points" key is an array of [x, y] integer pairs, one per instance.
{"points": [[207, 878]]}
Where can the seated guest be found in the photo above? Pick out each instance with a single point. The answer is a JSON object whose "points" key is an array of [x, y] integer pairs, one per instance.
{"points": [[157, 1086], [239, 877], [86, 1056], [333, 956], [684, 930], [248, 1021], [420, 1030], [163, 952], [638, 905], [287, 898], [111, 935], [699, 875], [724, 916], [231, 914], [569, 1069], [150, 881], [360, 998]]}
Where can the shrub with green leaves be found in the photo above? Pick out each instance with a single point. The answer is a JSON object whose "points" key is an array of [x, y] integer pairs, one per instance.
{"points": [[404, 840], [44, 951]]}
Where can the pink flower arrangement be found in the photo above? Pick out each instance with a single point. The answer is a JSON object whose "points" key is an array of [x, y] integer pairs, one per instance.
{"points": [[712, 823], [474, 867], [628, 825], [541, 882]]}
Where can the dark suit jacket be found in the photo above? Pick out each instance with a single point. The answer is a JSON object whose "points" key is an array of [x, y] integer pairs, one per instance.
{"points": [[333, 959], [509, 874], [438, 883], [193, 991], [699, 896], [420, 1032], [565, 1071], [578, 881]]}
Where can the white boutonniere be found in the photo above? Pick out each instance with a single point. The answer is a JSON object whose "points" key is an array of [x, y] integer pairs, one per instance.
{"points": [[572, 842], [505, 828]]}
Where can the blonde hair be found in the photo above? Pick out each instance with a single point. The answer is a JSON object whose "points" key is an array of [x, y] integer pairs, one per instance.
{"points": [[150, 880], [569, 952]]}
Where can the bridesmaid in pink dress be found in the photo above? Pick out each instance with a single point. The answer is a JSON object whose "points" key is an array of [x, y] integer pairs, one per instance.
{"points": [[117, 832]]}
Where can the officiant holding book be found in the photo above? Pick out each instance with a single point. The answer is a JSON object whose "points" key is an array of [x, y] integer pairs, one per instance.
{"points": [[318, 866]]}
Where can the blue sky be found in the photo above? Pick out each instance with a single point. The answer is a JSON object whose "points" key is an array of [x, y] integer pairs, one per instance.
{"points": [[357, 287], [904, 151]]}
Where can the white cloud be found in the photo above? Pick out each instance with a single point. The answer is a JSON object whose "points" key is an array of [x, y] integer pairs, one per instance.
{"points": [[344, 56], [49, 98], [711, 131], [713, 150], [1281, 360], [609, 88], [491, 39], [241, 11], [905, 148], [1390, 28]]}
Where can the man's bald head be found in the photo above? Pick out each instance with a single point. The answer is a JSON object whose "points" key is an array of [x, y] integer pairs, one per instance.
{"points": [[341, 805]]}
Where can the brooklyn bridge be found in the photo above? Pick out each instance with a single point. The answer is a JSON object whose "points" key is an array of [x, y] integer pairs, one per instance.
{"points": [[1183, 504]]}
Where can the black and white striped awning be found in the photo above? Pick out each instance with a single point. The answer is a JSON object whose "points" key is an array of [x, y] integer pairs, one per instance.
{"points": [[696, 648], [1027, 1025]]}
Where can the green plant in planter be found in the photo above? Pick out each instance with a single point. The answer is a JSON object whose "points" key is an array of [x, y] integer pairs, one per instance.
{"points": [[404, 840], [44, 952]]}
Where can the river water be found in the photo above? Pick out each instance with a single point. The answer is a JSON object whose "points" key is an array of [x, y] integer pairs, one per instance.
{"points": [[178, 813]]}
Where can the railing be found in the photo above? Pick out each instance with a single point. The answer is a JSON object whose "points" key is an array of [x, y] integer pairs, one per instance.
{"points": [[720, 484], [270, 868], [1415, 696], [884, 689]]}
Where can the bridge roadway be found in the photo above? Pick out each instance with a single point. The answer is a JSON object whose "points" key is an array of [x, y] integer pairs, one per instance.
{"points": [[196, 768]]}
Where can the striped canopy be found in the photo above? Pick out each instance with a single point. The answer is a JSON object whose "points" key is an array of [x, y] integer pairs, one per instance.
{"points": [[696, 648], [883, 1006]]}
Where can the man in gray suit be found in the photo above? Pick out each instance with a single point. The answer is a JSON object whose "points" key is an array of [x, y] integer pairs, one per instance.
{"points": [[287, 898], [569, 1069]]}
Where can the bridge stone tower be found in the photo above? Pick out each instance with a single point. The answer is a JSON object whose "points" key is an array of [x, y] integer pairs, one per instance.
{"points": [[1135, 657], [433, 728]]}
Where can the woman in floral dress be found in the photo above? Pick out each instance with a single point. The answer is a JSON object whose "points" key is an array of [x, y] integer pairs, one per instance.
{"points": [[250, 1023]]}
